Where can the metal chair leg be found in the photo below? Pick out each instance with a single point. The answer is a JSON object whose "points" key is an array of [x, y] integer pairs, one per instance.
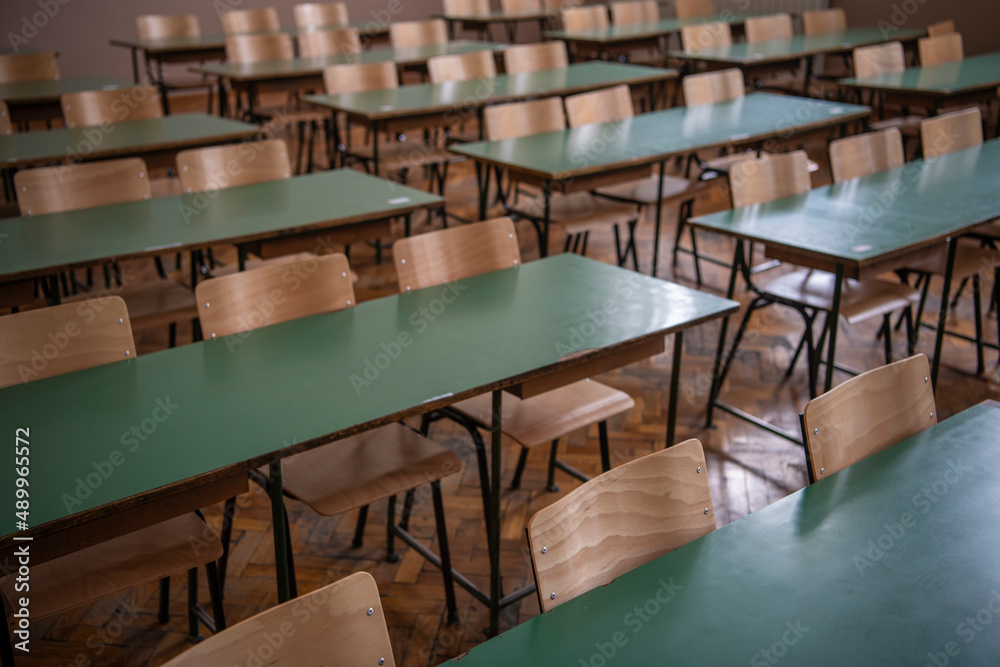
{"points": [[553, 455], [359, 528], [602, 430], [163, 615], [215, 591], [194, 629], [445, 552], [515, 483]]}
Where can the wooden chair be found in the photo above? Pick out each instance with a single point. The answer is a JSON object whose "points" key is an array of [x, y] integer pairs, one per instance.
{"points": [[888, 58], [713, 35], [143, 556], [6, 127], [635, 11], [246, 49], [713, 87], [344, 624], [41, 66], [618, 521], [809, 291], [823, 21], [212, 168], [413, 34], [434, 258], [462, 67], [466, 8], [578, 213], [521, 58], [97, 107], [323, 43], [157, 27], [767, 28], [584, 18], [242, 21], [867, 414], [693, 9], [941, 28], [941, 49], [356, 471], [320, 14], [864, 154]]}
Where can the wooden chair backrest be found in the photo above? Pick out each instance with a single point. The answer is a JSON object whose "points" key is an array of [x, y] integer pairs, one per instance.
{"points": [[342, 620], [320, 14], [879, 59], [6, 127], [461, 7], [951, 132], [211, 168], [713, 87], [455, 253], [97, 107], [360, 77], [636, 11], [620, 520], [946, 48], [334, 42], [519, 119], [768, 178], [584, 18], [16, 67], [249, 49], [822, 21], [154, 26], [867, 153], [940, 28], [412, 34], [693, 9], [599, 106], [867, 414], [522, 58], [766, 28], [242, 21], [462, 67], [516, 6], [713, 35], [70, 187], [46, 342]]}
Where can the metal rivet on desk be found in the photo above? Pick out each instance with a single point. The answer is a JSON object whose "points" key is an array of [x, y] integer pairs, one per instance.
{"points": [[815, 431], [370, 611], [706, 510], [822, 471], [545, 550], [699, 469], [552, 597]]}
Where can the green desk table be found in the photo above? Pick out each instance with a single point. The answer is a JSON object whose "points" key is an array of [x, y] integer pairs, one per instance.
{"points": [[246, 400], [445, 104], [867, 226], [953, 84], [39, 100], [157, 140], [891, 561], [585, 157]]}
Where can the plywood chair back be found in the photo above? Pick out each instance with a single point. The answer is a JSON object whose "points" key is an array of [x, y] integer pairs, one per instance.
{"points": [[249, 49], [693, 9], [465, 7], [320, 14], [16, 67], [879, 59], [620, 520], [940, 28], [951, 132], [273, 294], [519, 119], [97, 107], [522, 58], [599, 106], [462, 67], [343, 619], [867, 414], [766, 28], [455, 253], [154, 26], [822, 21], [335, 42], [358, 78], [638, 11], [70, 187], [242, 21], [768, 178], [218, 167], [412, 34], [714, 35], [519, 6], [941, 49], [584, 18], [46, 342], [6, 127], [864, 154], [713, 87]]}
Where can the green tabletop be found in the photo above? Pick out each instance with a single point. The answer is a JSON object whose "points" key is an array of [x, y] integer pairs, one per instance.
{"points": [[33, 92], [303, 67], [217, 41], [892, 561], [430, 98], [800, 46], [638, 31], [230, 404], [131, 138], [966, 75], [41, 244], [652, 137]]}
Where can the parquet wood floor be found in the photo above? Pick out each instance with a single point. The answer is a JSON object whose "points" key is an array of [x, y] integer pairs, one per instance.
{"points": [[748, 468]]}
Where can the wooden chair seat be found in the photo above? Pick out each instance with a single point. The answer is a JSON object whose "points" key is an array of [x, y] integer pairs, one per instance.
{"points": [[859, 301], [550, 415], [118, 564], [365, 468], [970, 260], [579, 212], [644, 190]]}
